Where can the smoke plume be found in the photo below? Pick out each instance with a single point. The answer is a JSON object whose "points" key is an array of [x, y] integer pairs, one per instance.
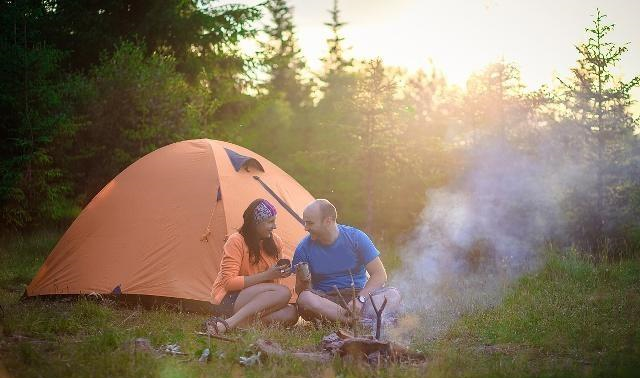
{"points": [[478, 234]]}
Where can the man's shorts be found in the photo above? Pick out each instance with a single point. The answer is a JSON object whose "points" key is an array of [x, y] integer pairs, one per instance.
{"points": [[333, 296]]}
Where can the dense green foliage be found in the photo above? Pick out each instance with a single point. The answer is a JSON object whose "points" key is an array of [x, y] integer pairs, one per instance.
{"points": [[597, 112], [89, 87]]}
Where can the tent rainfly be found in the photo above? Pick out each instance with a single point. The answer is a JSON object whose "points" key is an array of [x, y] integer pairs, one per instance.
{"points": [[156, 231]]}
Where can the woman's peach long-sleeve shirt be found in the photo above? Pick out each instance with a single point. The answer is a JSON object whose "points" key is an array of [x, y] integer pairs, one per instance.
{"points": [[235, 265]]}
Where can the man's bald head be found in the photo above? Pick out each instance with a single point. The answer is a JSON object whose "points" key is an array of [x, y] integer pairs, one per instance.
{"points": [[324, 208], [319, 219]]}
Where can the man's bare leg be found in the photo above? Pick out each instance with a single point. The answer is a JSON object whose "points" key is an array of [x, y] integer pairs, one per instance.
{"points": [[322, 307], [394, 300]]}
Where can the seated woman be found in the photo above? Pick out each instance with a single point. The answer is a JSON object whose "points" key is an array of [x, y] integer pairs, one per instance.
{"points": [[247, 286]]}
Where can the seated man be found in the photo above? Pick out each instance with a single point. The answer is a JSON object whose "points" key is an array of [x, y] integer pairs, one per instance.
{"points": [[337, 256]]}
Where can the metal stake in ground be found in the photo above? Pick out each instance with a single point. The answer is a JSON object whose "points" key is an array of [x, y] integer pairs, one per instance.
{"points": [[378, 314]]}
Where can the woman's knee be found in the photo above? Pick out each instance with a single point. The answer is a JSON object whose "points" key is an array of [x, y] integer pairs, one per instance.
{"points": [[283, 293], [291, 314]]}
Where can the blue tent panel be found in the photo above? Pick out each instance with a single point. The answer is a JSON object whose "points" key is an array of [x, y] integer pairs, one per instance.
{"points": [[241, 161]]}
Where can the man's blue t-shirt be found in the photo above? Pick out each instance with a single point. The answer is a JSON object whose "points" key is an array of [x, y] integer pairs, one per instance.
{"points": [[330, 264]]}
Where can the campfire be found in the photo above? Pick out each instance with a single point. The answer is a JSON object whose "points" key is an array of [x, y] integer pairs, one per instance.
{"points": [[343, 344]]}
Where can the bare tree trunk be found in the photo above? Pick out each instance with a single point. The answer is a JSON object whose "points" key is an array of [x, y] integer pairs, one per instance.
{"points": [[369, 173]]}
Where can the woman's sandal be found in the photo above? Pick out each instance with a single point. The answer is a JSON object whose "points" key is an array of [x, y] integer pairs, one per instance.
{"points": [[211, 326]]}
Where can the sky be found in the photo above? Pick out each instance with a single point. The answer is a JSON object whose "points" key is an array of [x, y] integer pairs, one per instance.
{"points": [[463, 36]]}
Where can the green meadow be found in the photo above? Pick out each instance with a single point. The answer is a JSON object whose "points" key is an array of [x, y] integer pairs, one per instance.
{"points": [[576, 316]]}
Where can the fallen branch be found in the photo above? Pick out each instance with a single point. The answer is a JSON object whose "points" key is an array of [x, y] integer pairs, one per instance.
{"points": [[270, 348], [369, 349], [361, 347], [20, 338], [342, 334], [219, 337], [127, 318], [172, 349]]}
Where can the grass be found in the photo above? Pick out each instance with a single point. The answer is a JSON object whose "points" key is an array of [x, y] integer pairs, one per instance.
{"points": [[573, 317]]}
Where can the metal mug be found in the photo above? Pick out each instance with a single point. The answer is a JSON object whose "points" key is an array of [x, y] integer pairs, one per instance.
{"points": [[302, 272]]}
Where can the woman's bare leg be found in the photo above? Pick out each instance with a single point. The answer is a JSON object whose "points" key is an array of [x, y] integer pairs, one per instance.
{"points": [[288, 315], [264, 297]]}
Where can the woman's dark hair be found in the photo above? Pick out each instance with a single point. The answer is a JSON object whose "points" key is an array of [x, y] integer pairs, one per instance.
{"points": [[248, 232]]}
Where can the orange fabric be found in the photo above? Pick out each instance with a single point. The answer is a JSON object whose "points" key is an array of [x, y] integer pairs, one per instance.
{"points": [[144, 231], [235, 265]]}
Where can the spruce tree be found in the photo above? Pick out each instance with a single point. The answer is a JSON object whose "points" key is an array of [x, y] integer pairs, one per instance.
{"points": [[599, 106], [338, 81], [376, 137], [496, 105], [36, 100], [335, 61], [282, 56]]}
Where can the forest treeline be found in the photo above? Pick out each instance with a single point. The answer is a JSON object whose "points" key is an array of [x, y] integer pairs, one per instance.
{"points": [[89, 87]]}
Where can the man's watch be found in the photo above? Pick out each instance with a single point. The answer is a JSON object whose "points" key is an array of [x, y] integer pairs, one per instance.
{"points": [[361, 299]]}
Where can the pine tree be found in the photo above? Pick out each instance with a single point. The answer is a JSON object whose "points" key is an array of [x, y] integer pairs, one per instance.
{"points": [[599, 103], [338, 81], [35, 115], [426, 95], [429, 117], [496, 105], [376, 135], [58, 95], [189, 29], [335, 62], [283, 57]]}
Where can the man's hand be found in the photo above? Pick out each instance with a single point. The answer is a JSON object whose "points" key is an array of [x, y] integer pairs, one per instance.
{"points": [[303, 277], [358, 307], [377, 279]]}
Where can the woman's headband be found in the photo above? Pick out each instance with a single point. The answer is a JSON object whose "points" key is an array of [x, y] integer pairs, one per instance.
{"points": [[263, 211]]}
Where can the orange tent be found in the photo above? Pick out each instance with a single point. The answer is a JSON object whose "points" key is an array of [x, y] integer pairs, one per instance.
{"points": [[157, 229]]}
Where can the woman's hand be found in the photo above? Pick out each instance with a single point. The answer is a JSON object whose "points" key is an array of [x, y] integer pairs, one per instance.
{"points": [[277, 271], [273, 273]]}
